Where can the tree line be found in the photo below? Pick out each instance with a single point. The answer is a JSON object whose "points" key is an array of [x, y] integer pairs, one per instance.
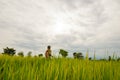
{"points": [[62, 52]]}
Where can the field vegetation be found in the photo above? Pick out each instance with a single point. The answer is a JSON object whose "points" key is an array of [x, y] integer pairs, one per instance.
{"points": [[39, 68]]}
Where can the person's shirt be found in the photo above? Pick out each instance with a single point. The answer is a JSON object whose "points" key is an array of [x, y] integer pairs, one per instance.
{"points": [[48, 53]]}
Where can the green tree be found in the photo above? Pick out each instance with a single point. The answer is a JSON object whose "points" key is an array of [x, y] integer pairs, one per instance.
{"points": [[9, 51], [78, 55], [118, 59], [63, 53], [21, 54], [109, 58], [90, 58], [40, 55]]}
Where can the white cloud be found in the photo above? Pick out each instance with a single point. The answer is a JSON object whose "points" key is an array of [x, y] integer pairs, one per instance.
{"points": [[70, 24]]}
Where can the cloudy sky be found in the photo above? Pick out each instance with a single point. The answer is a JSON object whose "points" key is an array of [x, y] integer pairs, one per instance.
{"points": [[74, 25]]}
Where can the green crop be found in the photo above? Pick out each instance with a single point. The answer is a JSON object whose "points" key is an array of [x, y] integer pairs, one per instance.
{"points": [[35, 68]]}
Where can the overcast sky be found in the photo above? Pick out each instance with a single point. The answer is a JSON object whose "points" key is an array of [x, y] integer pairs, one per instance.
{"points": [[74, 25]]}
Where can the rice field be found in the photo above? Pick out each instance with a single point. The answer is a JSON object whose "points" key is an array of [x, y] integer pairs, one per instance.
{"points": [[36, 68]]}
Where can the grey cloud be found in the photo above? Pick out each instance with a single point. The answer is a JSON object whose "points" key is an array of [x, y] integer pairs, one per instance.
{"points": [[30, 24], [73, 3]]}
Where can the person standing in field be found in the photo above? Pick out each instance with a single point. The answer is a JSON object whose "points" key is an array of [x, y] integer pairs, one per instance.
{"points": [[48, 52]]}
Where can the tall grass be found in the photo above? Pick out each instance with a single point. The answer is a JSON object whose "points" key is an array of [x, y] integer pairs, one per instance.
{"points": [[34, 68]]}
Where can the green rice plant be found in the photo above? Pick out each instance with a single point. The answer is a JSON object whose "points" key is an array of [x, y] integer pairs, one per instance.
{"points": [[38, 68]]}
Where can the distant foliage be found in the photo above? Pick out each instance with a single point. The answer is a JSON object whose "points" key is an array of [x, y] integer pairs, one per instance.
{"points": [[63, 53], [118, 59], [35, 56], [9, 51], [103, 59], [90, 58], [109, 58], [40, 55], [21, 54], [78, 55]]}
